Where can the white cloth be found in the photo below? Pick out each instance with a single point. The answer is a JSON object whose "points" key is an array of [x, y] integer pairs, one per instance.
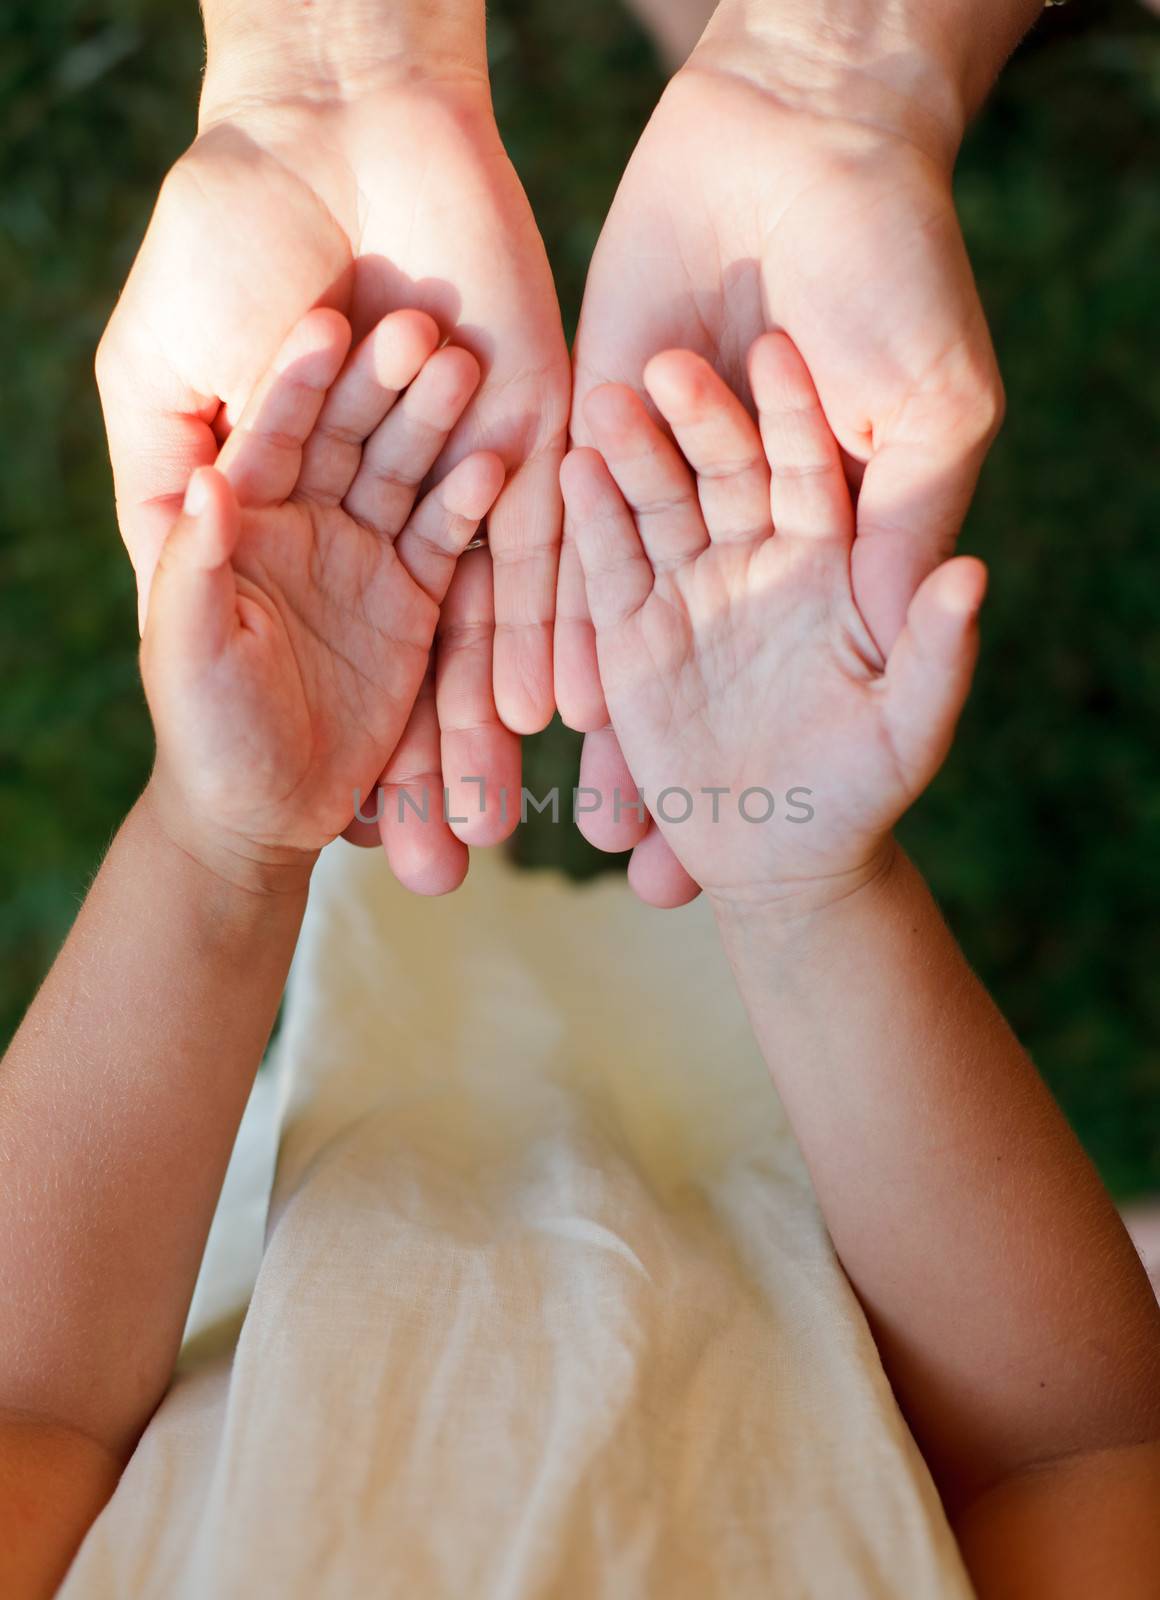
{"points": [[545, 1307]]}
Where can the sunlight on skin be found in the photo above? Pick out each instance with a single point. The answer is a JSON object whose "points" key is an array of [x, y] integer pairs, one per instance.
{"points": [[749, 205], [294, 605], [714, 581], [324, 203]]}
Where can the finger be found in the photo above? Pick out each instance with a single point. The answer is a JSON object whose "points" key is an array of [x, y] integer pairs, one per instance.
{"points": [[193, 605], [619, 820], [618, 576], [445, 521], [657, 877], [929, 671], [914, 495], [719, 440], [524, 539], [480, 757], [403, 448], [423, 853], [808, 496], [370, 382], [263, 455], [160, 432], [575, 668], [651, 474]]}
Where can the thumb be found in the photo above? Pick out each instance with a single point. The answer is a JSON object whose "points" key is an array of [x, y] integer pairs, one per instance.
{"points": [[159, 433], [193, 599], [929, 671]]}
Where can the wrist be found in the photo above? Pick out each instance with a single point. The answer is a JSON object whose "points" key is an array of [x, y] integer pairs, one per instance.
{"points": [[911, 69], [238, 874], [338, 50], [793, 909]]}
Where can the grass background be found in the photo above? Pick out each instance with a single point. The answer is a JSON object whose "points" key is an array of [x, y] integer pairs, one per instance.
{"points": [[1042, 838]]}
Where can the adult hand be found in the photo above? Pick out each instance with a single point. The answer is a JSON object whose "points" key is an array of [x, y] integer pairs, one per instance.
{"points": [[776, 187], [364, 190]]}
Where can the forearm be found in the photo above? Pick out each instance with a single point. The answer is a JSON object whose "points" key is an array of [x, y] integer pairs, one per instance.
{"points": [[120, 1098], [1013, 1317], [916, 67], [338, 48]]}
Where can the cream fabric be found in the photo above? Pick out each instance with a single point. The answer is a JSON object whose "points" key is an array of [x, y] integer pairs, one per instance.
{"points": [[545, 1306]]}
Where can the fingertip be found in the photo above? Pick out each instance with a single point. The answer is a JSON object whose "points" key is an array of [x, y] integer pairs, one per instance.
{"points": [[677, 381], [778, 376], [576, 674], [403, 341], [211, 507], [582, 713], [458, 370], [198, 492], [472, 487], [657, 878], [430, 873], [313, 352], [323, 332], [963, 586]]}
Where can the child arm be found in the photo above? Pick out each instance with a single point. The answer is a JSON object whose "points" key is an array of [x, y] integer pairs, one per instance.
{"points": [[1014, 1321], [1013, 1316], [289, 627], [120, 1098]]}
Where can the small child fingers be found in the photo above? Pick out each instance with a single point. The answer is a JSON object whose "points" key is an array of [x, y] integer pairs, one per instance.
{"points": [[808, 496], [406, 444], [651, 474], [445, 521], [263, 455], [720, 441], [929, 670], [374, 375], [193, 599]]}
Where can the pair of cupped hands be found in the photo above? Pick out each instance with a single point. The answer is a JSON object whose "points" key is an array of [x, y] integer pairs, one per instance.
{"points": [[340, 350]]}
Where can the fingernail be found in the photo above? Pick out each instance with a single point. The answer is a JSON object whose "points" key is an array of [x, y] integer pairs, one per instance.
{"points": [[196, 495]]}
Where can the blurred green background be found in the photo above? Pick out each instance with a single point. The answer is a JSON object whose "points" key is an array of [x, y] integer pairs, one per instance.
{"points": [[1042, 838]]}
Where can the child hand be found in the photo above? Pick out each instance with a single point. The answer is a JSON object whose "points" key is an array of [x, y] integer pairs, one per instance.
{"points": [[293, 610], [732, 654]]}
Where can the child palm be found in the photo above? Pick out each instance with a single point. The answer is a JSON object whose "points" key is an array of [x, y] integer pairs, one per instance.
{"points": [[294, 607], [732, 654]]}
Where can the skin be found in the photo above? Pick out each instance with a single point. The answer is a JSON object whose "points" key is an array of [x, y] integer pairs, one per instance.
{"points": [[797, 175], [291, 617], [1013, 1317], [292, 612], [305, 161]]}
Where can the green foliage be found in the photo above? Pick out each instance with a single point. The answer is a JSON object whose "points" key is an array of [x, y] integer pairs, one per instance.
{"points": [[1043, 836]]}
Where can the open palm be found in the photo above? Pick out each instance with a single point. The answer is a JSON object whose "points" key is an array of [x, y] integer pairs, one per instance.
{"points": [[774, 743], [739, 213], [403, 197], [294, 608]]}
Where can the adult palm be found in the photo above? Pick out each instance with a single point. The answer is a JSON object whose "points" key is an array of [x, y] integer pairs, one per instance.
{"points": [[739, 212], [403, 196]]}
